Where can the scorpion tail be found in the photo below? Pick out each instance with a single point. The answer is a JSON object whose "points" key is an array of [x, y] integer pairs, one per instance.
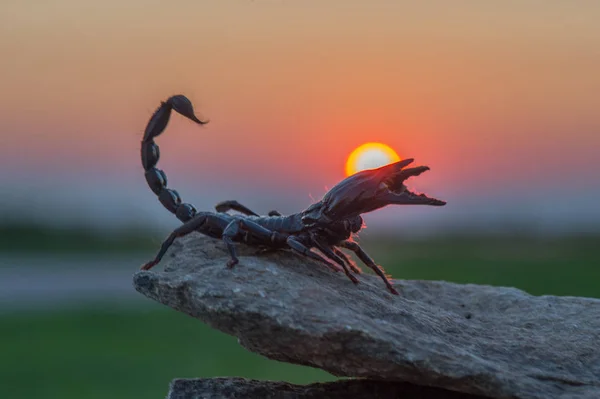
{"points": [[156, 178]]}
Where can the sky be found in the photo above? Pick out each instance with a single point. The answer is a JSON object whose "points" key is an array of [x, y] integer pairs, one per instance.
{"points": [[500, 99]]}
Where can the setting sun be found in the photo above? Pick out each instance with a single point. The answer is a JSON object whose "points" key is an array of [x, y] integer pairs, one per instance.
{"points": [[370, 156]]}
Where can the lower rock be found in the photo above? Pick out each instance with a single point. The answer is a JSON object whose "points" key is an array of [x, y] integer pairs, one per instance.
{"points": [[229, 388]]}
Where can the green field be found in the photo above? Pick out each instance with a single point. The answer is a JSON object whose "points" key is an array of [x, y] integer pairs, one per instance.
{"points": [[129, 352], [122, 353], [20, 238], [557, 266]]}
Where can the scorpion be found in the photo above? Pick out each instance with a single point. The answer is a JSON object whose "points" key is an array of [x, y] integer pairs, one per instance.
{"points": [[327, 225]]}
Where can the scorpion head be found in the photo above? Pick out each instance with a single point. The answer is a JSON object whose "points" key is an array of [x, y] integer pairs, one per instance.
{"points": [[337, 231], [367, 191], [346, 227]]}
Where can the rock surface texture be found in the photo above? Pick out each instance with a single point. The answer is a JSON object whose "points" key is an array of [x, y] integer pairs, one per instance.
{"points": [[219, 388], [490, 341]]}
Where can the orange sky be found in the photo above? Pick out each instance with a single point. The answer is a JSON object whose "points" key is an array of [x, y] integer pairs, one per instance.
{"points": [[486, 93]]}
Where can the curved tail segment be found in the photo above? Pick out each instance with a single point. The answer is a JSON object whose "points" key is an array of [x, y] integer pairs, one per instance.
{"points": [[156, 178]]}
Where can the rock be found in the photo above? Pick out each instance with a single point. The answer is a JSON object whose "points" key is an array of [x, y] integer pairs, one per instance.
{"points": [[491, 341], [220, 388]]}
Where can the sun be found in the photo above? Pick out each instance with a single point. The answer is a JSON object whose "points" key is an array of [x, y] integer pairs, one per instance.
{"points": [[370, 156]]}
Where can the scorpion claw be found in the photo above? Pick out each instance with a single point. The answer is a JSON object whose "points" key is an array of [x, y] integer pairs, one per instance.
{"points": [[367, 191]]}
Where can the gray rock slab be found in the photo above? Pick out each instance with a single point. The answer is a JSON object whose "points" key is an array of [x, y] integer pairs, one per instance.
{"points": [[491, 341], [229, 388]]}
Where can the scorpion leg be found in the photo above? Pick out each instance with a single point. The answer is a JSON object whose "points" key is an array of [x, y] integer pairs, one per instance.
{"points": [[329, 253], [302, 249], [186, 228], [348, 261], [229, 234], [226, 206], [363, 256], [235, 227]]}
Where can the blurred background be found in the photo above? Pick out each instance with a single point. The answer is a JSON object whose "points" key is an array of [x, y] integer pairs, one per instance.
{"points": [[500, 99]]}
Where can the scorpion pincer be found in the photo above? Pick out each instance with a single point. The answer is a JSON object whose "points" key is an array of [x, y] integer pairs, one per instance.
{"points": [[327, 225]]}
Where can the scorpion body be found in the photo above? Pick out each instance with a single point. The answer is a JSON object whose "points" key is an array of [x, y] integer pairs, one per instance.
{"points": [[327, 225]]}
